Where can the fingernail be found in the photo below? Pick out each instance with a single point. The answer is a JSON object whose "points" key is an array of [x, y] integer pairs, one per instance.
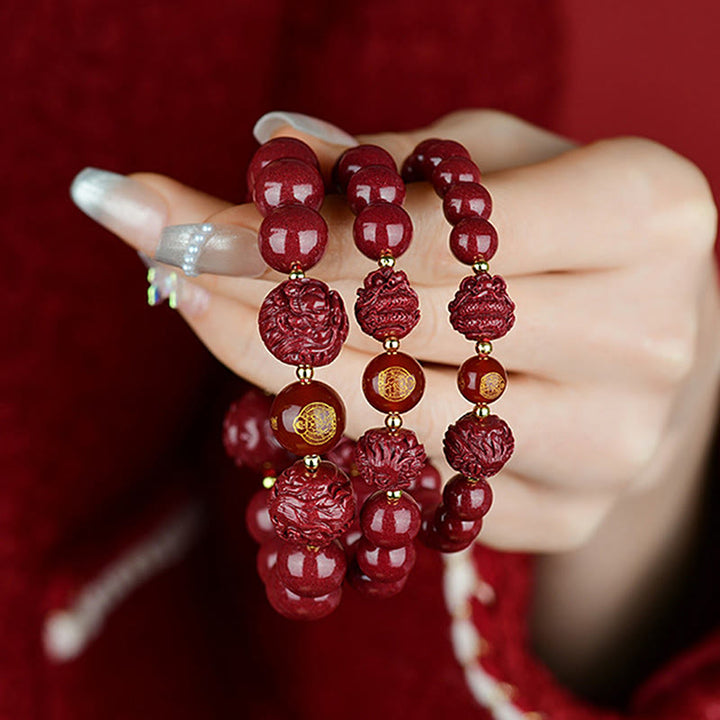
{"points": [[165, 284], [208, 248], [124, 206], [268, 125]]}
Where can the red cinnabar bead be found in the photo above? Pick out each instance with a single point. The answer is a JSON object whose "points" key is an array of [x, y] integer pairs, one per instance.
{"points": [[465, 200], [389, 459], [439, 151], [467, 499], [385, 564], [426, 487], [374, 588], [267, 557], [455, 528], [292, 235], [308, 418], [311, 571], [389, 522], [473, 239], [481, 379], [413, 168], [257, 517], [297, 607], [481, 308], [452, 171], [374, 184], [356, 158], [278, 149], [433, 538], [288, 182], [393, 382], [382, 229]]}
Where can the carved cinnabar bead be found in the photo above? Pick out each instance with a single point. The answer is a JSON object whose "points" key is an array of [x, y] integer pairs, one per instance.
{"points": [[267, 557], [441, 150], [455, 529], [382, 229], [312, 508], [466, 200], [389, 459], [393, 382], [368, 587], [356, 158], [385, 564], [374, 184], [473, 239], [452, 171], [293, 235], [386, 305], [278, 149], [390, 522], [308, 418], [257, 517], [481, 379], [298, 607], [467, 499], [311, 571], [478, 447], [303, 322], [481, 308], [288, 182]]}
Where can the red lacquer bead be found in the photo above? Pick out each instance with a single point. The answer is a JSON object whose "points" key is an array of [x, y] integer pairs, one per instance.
{"points": [[308, 418], [467, 499], [368, 587], [481, 308], [393, 382], [247, 436], [350, 539], [385, 564], [288, 182], [356, 158], [311, 571], [292, 235], [374, 184], [452, 171], [297, 607], [413, 169], [478, 447], [389, 459], [278, 149], [434, 539], [426, 487], [267, 557], [382, 229], [455, 528], [473, 239], [466, 200], [481, 379], [257, 517], [303, 322], [312, 508], [386, 305], [390, 522], [441, 150], [343, 455]]}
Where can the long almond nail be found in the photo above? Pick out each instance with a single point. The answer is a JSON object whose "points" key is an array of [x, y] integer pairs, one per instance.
{"points": [[266, 127], [131, 210]]}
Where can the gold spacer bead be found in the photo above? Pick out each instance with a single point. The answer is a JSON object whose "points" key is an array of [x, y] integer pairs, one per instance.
{"points": [[386, 261], [391, 344], [481, 410], [312, 462], [483, 347], [393, 495], [304, 373], [296, 273], [480, 266], [268, 481], [393, 421]]}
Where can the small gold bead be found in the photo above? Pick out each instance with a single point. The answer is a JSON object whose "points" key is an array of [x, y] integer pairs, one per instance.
{"points": [[481, 410], [304, 373], [386, 261], [268, 481], [393, 495], [393, 421], [391, 344], [312, 462], [483, 347], [480, 266], [296, 273]]}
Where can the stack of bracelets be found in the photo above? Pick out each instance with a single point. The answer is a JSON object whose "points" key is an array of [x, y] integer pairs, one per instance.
{"points": [[356, 514]]}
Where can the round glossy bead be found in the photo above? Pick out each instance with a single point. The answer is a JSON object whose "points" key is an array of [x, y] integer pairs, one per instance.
{"points": [[288, 182], [308, 418], [434, 539], [292, 235], [374, 588], [374, 184], [278, 149], [467, 499], [466, 200], [452, 171], [257, 517], [393, 382], [426, 487], [413, 167], [390, 523], [473, 239], [481, 379], [356, 158], [298, 607], [382, 229], [439, 151], [385, 564], [455, 528], [267, 557], [311, 571]]}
